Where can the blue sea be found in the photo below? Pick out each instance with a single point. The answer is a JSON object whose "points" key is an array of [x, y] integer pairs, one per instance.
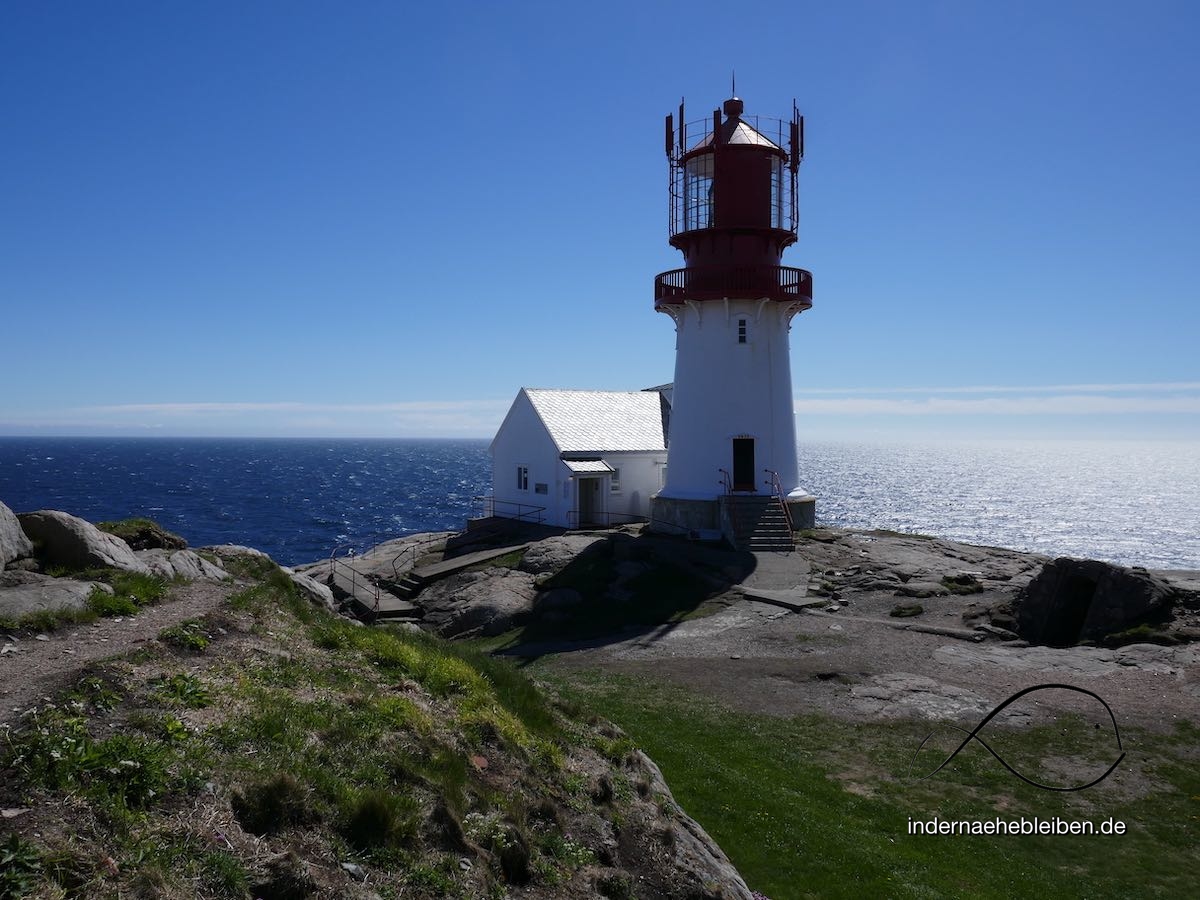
{"points": [[299, 499]]}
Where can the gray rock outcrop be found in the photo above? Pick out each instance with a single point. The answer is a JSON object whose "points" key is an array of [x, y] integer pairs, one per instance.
{"points": [[14, 543], [696, 854], [311, 589], [25, 593], [66, 540], [554, 554], [488, 602], [1073, 600], [185, 564]]}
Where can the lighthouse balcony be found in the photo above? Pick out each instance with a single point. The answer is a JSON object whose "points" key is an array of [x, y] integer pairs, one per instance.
{"points": [[780, 283]]}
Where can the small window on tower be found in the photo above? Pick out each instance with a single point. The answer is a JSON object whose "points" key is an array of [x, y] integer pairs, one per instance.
{"points": [[741, 331]]}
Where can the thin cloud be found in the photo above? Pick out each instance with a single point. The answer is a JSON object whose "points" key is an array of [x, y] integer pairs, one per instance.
{"points": [[210, 408], [1150, 387], [1062, 405]]}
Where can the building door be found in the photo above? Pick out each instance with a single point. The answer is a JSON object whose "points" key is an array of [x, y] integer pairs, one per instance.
{"points": [[589, 495], [743, 464]]}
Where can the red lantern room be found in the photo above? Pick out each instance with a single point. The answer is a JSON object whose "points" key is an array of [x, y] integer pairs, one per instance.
{"points": [[733, 208]]}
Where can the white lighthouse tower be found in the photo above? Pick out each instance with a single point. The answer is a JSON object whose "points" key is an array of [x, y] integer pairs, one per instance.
{"points": [[731, 453]]}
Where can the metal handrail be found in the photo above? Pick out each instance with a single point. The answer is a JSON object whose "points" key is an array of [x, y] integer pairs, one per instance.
{"points": [[353, 574], [776, 484], [725, 481], [783, 283], [524, 510], [410, 550], [573, 515]]}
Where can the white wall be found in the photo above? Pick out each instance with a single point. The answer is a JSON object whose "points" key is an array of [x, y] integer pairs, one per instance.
{"points": [[523, 441], [640, 478], [724, 389]]}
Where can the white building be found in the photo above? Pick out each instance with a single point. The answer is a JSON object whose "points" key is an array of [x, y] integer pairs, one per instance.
{"points": [[580, 458]]}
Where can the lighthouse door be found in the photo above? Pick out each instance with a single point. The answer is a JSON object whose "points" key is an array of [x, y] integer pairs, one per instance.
{"points": [[589, 492], [743, 464]]}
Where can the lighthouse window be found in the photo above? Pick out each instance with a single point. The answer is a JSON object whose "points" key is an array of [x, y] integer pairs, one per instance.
{"points": [[615, 481], [697, 192], [777, 195], [522, 478], [741, 331]]}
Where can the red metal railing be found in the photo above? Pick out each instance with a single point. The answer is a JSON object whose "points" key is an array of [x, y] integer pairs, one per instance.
{"points": [[776, 485], [781, 283]]}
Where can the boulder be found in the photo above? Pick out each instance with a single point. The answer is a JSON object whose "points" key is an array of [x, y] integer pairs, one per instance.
{"points": [[144, 534], [184, 564], [235, 550], [311, 589], [489, 602], [559, 598], [66, 540], [14, 544], [554, 554], [1073, 600], [25, 593]]}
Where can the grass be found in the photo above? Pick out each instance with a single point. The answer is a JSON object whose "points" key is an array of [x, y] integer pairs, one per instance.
{"points": [[365, 740], [188, 635], [130, 592], [834, 821], [141, 533]]}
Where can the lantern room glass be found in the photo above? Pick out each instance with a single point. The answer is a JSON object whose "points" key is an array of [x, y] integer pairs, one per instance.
{"points": [[697, 192]]}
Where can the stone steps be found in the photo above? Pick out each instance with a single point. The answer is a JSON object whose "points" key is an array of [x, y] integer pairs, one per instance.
{"points": [[757, 523]]}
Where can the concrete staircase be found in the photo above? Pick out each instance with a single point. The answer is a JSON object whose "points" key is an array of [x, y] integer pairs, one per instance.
{"points": [[756, 522]]}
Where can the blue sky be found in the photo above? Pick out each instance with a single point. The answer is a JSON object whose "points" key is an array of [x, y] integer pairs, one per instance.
{"points": [[382, 219]]}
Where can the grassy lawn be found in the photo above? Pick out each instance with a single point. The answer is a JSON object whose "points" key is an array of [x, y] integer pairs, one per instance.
{"points": [[817, 807]]}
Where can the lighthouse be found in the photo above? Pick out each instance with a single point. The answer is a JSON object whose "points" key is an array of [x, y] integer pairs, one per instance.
{"points": [[731, 451]]}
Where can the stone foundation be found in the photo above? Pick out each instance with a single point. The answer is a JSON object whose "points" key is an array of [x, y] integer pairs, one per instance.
{"points": [[671, 516], [803, 511]]}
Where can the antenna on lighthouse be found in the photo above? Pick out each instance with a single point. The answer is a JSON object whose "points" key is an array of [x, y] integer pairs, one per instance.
{"points": [[733, 82]]}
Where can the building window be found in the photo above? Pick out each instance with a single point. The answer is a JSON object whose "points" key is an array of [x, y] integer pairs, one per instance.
{"points": [[540, 488], [614, 481], [522, 478], [741, 331], [662, 480]]}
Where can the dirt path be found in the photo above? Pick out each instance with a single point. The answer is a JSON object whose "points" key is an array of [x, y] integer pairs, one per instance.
{"points": [[35, 669]]}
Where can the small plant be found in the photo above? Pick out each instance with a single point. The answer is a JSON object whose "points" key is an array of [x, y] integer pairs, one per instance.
{"points": [[186, 690], [381, 819], [571, 854], [95, 692], [173, 729], [143, 590], [962, 584], [20, 866], [438, 878], [616, 886], [103, 603], [187, 635], [269, 806], [906, 610], [58, 753]]}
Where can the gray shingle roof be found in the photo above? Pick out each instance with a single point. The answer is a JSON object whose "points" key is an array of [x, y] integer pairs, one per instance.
{"points": [[600, 421]]}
